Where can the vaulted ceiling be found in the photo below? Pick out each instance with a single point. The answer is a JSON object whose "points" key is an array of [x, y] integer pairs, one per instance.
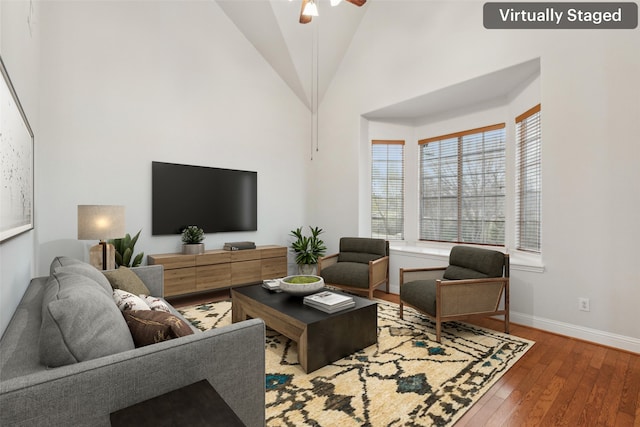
{"points": [[290, 47]]}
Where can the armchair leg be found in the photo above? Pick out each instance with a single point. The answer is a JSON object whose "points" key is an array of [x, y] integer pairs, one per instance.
{"points": [[401, 310], [438, 331], [506, 323]]}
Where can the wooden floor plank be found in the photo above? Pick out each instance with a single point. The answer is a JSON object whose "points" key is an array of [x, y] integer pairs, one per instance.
{"points": [[560, 381]]}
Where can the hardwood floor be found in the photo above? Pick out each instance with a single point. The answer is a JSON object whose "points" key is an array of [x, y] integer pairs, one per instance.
{"points": [[561, 381]]}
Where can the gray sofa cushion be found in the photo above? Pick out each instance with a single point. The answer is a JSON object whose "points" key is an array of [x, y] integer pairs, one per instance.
{"points": [[467, 262], [79, 322], [347, 273], [89, 271], [61, 261]]}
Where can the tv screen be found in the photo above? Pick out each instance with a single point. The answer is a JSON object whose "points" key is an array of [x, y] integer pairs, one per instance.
{"points": [[216, 200]]}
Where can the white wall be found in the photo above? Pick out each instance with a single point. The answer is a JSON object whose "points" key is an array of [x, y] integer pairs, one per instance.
{"points": [[591, 116], [19, 48], [127, 83]]}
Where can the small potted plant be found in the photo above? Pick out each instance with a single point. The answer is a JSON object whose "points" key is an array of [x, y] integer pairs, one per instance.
{"points": [[307, 249], [192, 237]]}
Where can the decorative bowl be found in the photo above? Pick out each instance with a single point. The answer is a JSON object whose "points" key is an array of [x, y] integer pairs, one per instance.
{"points": [[301, 285]]}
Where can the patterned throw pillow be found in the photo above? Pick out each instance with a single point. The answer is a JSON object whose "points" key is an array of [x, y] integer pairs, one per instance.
{"points": [[150, 327], [128, 301], [155, 303]]}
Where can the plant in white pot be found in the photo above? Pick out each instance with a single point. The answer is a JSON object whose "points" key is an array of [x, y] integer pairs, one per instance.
{"points": [[307, 249], [192, 237]]}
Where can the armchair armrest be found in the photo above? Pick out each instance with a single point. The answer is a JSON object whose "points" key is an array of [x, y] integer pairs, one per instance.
{"points": [[326, 261], [378, 270], [472, 296], [411, 274]]}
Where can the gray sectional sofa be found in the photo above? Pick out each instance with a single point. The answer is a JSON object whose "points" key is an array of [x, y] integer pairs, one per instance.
{"points": [[84, 393]]}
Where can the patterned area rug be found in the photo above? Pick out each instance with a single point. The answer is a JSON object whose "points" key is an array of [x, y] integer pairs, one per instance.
{"points": [[406, 379]]}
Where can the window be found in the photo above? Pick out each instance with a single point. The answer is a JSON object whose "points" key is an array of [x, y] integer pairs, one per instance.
{"points": [[462, 186], [528, 180], [387, 189]]}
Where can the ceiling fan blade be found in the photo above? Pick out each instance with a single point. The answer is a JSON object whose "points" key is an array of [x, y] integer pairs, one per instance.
{"points": [[304, 19], [357, 2]]}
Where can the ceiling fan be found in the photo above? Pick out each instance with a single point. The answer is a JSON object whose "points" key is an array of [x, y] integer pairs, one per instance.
{"points": [[309, 8]]}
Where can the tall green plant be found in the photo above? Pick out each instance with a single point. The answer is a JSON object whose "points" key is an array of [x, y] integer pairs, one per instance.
{"points": [[308, 249], [124, 251]]}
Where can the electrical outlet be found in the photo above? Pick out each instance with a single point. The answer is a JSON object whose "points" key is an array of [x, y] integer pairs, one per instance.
{"points": [[583, 304]]}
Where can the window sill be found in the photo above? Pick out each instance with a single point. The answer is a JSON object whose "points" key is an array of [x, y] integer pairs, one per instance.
{"points": [[522, 261]]}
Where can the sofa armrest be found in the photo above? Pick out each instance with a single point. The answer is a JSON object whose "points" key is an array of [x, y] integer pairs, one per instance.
{"points": [[153, 278], [411, 274], [231, 358]]}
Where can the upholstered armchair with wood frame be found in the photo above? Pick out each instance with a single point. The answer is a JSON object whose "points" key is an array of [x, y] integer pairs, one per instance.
{"points": [[474, 284], [362, 265]]}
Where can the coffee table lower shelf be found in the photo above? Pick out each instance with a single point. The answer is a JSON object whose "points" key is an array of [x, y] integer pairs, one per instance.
{"points": [[322, 338]]}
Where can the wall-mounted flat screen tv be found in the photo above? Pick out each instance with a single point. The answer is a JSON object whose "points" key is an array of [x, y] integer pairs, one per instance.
{"points": [[215, 199]]}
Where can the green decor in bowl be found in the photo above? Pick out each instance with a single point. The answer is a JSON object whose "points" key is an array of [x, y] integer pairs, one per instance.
{"points": [[301, 285]]}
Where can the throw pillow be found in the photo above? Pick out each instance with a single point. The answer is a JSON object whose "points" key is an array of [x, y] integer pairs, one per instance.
{"points": [[79, 322], [125, 279], [87, 270], [150, 327], [128, 301], [61, 261], [156, 303]]}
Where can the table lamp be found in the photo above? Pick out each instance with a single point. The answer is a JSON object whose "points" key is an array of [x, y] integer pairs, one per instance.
{"points": [[101, 222]]}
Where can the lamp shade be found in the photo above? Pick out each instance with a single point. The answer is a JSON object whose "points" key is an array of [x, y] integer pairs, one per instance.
{"points": [[100, 222]]}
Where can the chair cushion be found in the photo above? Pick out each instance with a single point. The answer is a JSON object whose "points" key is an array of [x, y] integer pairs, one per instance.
{"points": [[488, 263], [360, 257], [420, 294], [79, 322], [364, 244], [453, 272], [347, 273]]}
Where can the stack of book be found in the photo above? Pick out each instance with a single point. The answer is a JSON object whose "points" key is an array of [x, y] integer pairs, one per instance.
{"points": [[272, 285], [329, 302], [237, 246]]}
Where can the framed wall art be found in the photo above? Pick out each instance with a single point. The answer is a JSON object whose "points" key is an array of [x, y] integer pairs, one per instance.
{"points": [[16, 163]]}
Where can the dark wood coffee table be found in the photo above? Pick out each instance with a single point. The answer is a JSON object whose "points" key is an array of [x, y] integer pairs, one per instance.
{"points": [[322, 338]]}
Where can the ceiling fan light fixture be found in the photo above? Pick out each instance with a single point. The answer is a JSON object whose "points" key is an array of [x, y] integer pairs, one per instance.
{"points": [[311, 9], [335, 2]]}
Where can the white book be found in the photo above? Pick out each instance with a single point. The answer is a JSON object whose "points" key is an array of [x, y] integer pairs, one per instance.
{"points": [[333, 309], [328, 299]]}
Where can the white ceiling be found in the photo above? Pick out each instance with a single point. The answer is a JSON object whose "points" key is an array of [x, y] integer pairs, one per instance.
{"points": [[290, 48], [494, 87], [272, 27]]}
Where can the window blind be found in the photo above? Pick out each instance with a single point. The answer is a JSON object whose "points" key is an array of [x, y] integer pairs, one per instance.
{"points": [[462, 186], [528, 180], [387, 189]]}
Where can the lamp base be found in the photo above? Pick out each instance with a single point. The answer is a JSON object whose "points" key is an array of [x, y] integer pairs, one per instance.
{"points": [[96, 256]]}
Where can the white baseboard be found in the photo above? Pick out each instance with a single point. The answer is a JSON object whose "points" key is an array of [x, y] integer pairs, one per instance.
{"points": [[579, 332]]}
